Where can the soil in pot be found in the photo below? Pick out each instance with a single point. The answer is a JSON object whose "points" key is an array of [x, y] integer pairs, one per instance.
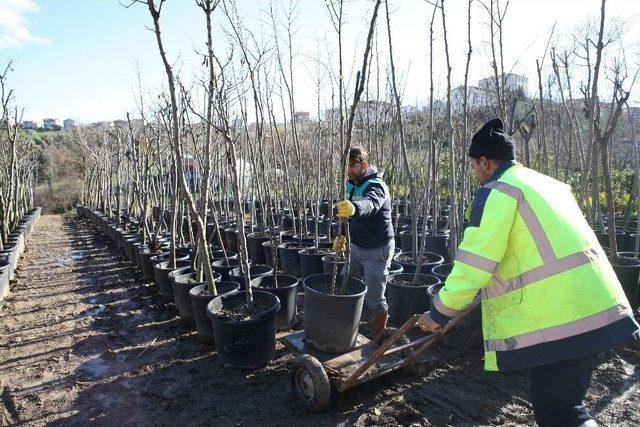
{"points": [[244, 340], [286, 291], [331, 321], [408, 262], [406, 298], [200, 298]]}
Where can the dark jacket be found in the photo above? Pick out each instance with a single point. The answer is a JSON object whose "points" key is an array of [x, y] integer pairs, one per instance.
{"points": [[371, 225]]}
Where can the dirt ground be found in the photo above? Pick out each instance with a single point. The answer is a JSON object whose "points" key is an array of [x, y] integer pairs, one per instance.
{"points": [[83, 338]]}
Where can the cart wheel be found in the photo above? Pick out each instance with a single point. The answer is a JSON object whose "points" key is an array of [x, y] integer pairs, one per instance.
{"points": [[310, 383]]}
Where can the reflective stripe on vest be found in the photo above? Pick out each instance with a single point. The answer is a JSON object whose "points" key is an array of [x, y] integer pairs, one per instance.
{"points": [[566, 330], [477, 261], [551, 264], [529, 217], [545, 271]]}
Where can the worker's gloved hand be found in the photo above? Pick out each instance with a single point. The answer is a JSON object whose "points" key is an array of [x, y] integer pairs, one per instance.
{"points": [[340, 244], [345, 208], [427, 324]]}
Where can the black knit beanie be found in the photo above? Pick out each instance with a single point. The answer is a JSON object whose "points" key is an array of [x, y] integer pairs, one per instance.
{"points": [[492, 142]]}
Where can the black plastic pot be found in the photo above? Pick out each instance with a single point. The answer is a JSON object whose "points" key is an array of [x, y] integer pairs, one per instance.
{"points": [[145, 264], [442, 271], [331, 321], [4, 278], [257, 270], [219, 254], [327, 265], [11, 255], [221, 266], [200, 298], [438, 244], [406, 300], [244, 344], [429, 261], [311, 261], [289, 257], [628, 272], [161, 273], [395, 268], [182, 285], [287, 291], [231, 238], [254, 246]]}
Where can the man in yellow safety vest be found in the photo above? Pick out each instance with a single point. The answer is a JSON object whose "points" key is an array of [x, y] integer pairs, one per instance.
{"points": [[551, 301]]}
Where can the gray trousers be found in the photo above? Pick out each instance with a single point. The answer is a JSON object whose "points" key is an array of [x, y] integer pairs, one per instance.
{"points": [[372, 266]]}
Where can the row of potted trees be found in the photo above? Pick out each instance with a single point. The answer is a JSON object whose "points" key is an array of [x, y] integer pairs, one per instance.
{"points": [[13, 248]]}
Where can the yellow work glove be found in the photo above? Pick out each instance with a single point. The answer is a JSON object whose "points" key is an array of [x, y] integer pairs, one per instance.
{"points": [[345, 208], [340, 244]]}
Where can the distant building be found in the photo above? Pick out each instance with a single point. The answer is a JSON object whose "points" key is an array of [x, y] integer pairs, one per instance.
{"points": [[69, 124], [476, 98], [50, 124], [332, 115], [372, 111], [120, 123], [301, 116], [100, 124], [512, 83], [28, 124]]}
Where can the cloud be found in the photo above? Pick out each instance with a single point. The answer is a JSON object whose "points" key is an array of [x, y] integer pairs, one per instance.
{"points": [[14, 23]]}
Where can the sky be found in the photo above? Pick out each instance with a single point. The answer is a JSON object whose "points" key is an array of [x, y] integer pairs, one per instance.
{"points": [[78, 58]]}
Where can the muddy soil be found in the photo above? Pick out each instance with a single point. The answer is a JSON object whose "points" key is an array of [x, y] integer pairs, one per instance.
{"points": [[84, 339]]}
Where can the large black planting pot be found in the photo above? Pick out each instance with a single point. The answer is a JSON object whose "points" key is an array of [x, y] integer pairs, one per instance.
{"points": [[628, 272], [244, 344], [405, 299], [223, 267], [311, 260], [254, 246], [442, 271], [467, 333], [256, 270], [327, 264], [4, 278], [182, 285], [200, 298], [145, 262], [408, 262], [217, 254], [331, 321], [161, 273], [286, 291], [289, 257], [267, 250], [11, 255]]}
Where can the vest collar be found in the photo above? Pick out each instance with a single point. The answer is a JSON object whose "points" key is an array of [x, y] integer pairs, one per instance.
{"points": [[502, 169]]}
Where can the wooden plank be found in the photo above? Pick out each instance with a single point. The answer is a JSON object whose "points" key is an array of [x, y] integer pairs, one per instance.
{"points": [[296, 343]]}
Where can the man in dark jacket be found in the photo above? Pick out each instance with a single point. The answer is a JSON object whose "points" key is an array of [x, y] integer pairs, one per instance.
{"points": [[368, 207]]}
